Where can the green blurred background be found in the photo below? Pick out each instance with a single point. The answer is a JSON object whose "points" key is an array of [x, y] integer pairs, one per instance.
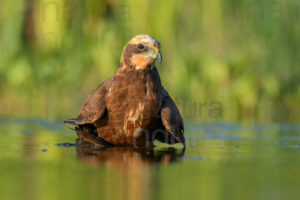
{"points": [[223, 60]]}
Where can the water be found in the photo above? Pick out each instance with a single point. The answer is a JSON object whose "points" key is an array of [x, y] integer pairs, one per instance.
{"points": [[38, 160]]}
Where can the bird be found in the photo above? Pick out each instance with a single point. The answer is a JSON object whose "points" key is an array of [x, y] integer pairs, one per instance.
{"points": [[131, 108]]}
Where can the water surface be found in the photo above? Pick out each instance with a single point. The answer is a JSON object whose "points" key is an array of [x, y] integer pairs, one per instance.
{"points": [[39, 160]]}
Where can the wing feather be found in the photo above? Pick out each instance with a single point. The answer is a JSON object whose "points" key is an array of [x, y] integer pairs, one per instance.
{"points": [[93, 108], [172, 119]]}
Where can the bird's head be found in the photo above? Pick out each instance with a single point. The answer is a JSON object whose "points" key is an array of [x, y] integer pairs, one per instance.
{"points": [[141, 51]]}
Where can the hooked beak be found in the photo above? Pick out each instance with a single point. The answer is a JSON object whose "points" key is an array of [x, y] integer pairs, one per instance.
{"points": [[158, 57], [157, 54]]}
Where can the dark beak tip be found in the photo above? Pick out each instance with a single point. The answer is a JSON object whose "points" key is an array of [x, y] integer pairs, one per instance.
{"points": [[159, 57]]}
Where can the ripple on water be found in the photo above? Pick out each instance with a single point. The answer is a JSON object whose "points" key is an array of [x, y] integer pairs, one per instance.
{"points": [[296, 146], [193, 158], [27, 131], [65, 144]]}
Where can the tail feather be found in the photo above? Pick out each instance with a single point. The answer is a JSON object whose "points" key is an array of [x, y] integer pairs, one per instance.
{"points": [[70, 121]]}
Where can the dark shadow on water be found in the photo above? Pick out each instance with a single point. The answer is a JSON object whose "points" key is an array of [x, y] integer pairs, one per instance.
{"points": [[126, 156]]}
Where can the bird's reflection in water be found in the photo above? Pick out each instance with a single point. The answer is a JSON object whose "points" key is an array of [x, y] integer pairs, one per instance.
{"points": [[135, 169], [125, 156]]}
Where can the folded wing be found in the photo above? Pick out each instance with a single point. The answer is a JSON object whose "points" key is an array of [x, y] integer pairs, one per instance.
{"points": [[93, 108], [172, 119]]}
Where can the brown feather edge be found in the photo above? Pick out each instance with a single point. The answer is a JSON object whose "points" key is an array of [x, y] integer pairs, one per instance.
{"points": [[169, 126]]}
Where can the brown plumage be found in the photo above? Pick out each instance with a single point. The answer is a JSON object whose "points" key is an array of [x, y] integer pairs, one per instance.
{"points": [[131, 107]]}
